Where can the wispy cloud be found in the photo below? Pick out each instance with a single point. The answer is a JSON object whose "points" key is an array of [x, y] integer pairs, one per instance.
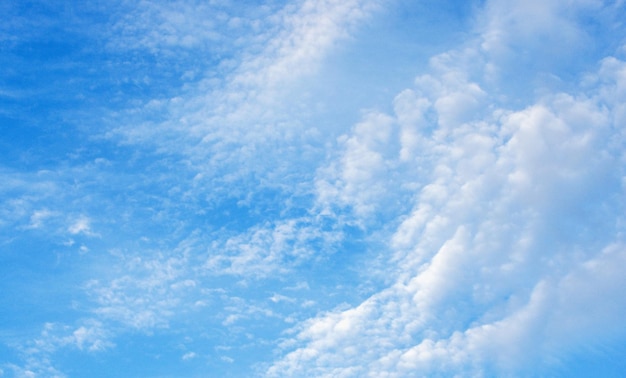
{"points": [[38, 354], [255, 110], [80, 226]]}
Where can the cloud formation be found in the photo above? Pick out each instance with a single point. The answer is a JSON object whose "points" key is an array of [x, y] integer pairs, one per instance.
{"points": [[515, 212], [218, 208]]}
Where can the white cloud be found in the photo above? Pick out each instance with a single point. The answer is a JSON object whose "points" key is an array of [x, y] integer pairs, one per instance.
{"points": [[224, 129], [534, 24], [543, 42], [142, 292], [281, 298], [38, 354], [356, 180], [168, 28], [82, 225], [38, 218], [91, 338], [227, 359], [270, 248], [515, 211], [559, 317], [34, 189], [258, 109], [308, 33], [189, 356]]}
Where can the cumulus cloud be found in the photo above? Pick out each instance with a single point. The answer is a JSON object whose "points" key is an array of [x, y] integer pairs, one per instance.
{"points": [[357, 180], [514, 211]]}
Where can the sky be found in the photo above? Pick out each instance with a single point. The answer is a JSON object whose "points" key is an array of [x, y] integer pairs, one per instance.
{"points": [[312, 188]]}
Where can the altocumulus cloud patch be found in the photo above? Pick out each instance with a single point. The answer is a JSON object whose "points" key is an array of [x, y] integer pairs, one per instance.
{"points": [[312, 189]]}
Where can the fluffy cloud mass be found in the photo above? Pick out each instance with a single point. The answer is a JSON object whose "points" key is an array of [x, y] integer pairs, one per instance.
{"points": [[516, 227], [516, 222]]}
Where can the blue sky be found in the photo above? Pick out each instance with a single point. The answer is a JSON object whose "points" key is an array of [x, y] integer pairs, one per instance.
{"points": [[354, 188]]}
